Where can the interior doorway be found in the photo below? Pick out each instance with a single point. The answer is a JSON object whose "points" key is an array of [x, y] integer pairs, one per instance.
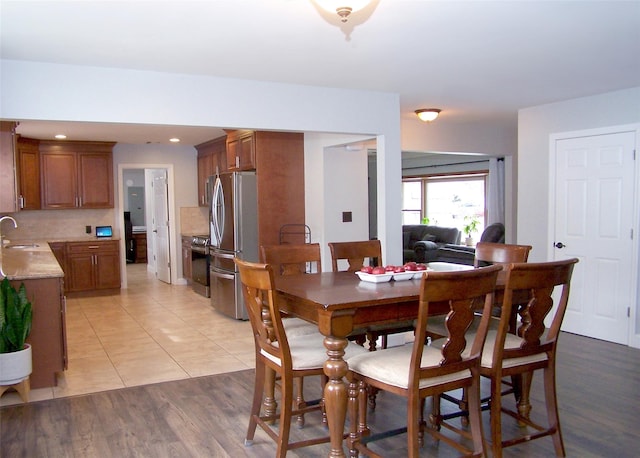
{"points": [[137, 181]]}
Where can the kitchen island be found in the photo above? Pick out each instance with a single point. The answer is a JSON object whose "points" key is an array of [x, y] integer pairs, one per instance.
{"points": [[34, 264]]}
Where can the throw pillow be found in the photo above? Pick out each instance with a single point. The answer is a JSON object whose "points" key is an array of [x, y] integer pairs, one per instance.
{"points": [[429, 238]]}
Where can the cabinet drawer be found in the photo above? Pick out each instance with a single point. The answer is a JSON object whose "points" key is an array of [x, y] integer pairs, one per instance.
{"points": [[92, 247]]}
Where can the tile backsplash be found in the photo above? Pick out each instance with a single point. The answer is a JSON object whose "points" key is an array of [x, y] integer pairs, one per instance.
{"points": [[194, 220], [57, 224]]}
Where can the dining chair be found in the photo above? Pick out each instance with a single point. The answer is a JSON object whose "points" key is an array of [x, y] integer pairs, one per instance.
{"points": [[357, 254], [300, 356], [418, 371], [531, 348], [294, 259], [487, 253]]}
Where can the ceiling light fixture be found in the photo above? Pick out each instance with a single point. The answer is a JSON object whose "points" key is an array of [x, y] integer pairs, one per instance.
{"points": [[343, 8], [61, 136], [174, 140], [428, 114]]}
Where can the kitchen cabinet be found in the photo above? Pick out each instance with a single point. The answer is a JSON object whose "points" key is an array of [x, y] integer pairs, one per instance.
{"points": [[8, 189], [92, 265], [141, 247], [186, 258], [212, 159], [28, 173], [48, 329], [279, 160], [59, 251], [76, 174], [241, 149]]}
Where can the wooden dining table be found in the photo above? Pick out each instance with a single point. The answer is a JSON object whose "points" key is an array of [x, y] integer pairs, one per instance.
{"points": [[338, 302]]}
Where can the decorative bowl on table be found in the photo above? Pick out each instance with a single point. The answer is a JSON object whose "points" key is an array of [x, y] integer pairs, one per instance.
{"points": [[401, 276], [374, 278], [418, 274]]}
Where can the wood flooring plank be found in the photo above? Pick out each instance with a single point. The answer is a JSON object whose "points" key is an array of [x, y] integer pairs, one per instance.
{"points": [[598, 389]]}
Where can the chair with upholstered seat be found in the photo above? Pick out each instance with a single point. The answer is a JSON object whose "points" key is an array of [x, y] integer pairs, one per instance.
{"points": [[295, 259], [486, 253], [418, 371], [357, 254], [289, 358], [529, 349]]}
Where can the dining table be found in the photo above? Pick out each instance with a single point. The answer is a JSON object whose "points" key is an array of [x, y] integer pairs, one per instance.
{"points": [[339, 303]]}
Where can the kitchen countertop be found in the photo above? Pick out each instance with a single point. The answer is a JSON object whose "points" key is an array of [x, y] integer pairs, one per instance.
{"points": [[33, 260]]}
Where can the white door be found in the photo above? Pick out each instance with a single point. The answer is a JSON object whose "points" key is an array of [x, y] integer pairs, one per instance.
{"points": [[594, 210], [161, 225]]}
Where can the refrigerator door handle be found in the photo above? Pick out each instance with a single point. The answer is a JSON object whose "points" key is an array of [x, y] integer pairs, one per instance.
{"points": [[217, 213], [215, 273]]}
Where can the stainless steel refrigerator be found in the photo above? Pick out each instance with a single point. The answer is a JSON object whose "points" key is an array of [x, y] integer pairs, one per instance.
{"points": [[233, 222]]}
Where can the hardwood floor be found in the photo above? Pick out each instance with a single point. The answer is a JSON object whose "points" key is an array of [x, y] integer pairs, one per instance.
{"points": [[598, 386]]}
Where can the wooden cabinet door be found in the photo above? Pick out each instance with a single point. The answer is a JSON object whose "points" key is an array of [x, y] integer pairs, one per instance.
{"points": [[186, 259], [205, 167], [80, 274], [95, 180], [28, 173], [59, 180], [107, 266], [246, 153], [8, 197]]}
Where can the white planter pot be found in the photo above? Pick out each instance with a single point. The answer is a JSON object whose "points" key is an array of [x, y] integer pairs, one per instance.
{"points": [[15, 366], [469, 241]]}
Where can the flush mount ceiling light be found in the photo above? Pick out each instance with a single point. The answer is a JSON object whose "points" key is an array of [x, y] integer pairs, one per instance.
{"points": [[428, 114], [60, 136], [343, 8]]}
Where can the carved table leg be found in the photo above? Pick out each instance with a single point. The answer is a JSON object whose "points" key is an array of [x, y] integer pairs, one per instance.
{"points": [[335, 392]]}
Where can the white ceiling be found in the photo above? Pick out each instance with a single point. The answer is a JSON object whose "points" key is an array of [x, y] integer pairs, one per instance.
{"points": [[476, 60]]}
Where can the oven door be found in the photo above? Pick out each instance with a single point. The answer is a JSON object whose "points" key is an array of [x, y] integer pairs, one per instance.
{"points": [[200, 270]]}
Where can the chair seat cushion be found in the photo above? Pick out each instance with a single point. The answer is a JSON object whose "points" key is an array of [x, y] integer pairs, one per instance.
{"points": [[309, 352], [298, 327], [391, 366]]}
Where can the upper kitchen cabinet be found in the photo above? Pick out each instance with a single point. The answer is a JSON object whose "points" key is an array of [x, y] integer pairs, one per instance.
{"points": [[28, 173], [212, 159], [241, 150], [8, 200], [76, 175]]}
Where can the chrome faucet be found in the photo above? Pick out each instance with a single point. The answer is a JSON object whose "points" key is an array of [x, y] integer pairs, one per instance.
{"points": [[15, 226]]}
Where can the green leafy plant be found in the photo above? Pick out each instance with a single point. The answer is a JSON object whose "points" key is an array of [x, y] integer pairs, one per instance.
{"points": [[425, 220], [15, 317], [471, 225]]}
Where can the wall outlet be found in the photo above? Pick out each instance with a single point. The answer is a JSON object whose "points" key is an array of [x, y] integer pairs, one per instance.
{"points": [[88, 229]]}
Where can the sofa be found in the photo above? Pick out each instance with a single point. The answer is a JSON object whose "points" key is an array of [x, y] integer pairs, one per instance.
{"points": [[420, 242], [460, 254]]}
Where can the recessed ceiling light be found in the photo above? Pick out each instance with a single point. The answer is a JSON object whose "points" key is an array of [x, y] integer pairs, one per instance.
{"points": [[61, 136], [174, 140]]}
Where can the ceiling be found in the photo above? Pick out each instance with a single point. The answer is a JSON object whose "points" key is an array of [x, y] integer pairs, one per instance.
{"points": [[479, 61]]}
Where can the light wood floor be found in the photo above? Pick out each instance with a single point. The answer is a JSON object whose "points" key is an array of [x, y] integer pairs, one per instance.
{"points": [[150, 332]]}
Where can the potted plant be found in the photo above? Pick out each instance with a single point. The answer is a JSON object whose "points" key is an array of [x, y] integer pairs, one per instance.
{"points": [[15, 325], [470, 227]]}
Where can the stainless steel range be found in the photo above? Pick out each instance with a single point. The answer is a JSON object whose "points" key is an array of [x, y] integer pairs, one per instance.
{"points": [[200, 264]]}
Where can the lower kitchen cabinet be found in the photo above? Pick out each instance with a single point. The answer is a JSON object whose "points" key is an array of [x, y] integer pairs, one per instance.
{"points": [[186, 258], [48, 330], [92, 265]]}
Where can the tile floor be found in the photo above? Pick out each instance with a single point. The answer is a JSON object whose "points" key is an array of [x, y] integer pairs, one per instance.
{"points": [[150, 332]]}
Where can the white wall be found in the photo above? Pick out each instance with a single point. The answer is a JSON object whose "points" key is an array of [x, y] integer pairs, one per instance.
{"points": [[42, 91], [535, 125]]}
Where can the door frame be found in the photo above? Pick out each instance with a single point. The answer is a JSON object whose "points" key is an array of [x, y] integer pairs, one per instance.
{"points": [[633, 337], [173, 254]]}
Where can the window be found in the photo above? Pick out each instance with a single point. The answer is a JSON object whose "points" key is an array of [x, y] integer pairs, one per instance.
{"points": [[445, 200]]}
